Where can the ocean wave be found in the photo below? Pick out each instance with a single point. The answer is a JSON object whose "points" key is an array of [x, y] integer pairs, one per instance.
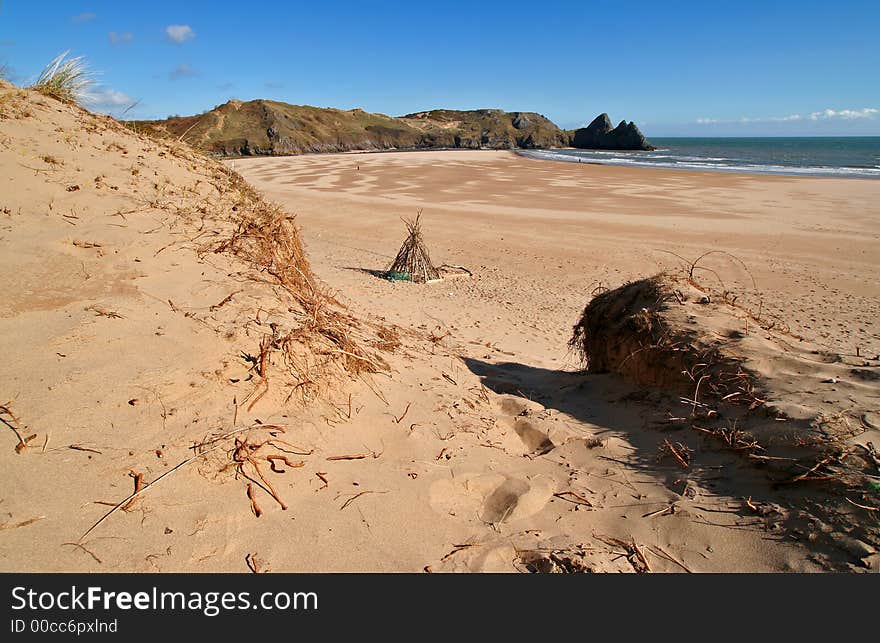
{"points": [[694, 163]]}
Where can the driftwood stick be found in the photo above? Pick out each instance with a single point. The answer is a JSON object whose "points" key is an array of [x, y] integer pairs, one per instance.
{"points": [[865, 507], [664, 554], [143, 489], [77, 447]]}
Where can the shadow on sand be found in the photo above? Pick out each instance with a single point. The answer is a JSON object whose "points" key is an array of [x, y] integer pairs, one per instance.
{"points": [[379, 274], [605, 405]]}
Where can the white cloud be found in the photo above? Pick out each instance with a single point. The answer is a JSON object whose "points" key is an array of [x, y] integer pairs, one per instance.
{"points": [[120, 38], [769, 119], [179, 33], [846, 114], [107, 100], [824, 115]]}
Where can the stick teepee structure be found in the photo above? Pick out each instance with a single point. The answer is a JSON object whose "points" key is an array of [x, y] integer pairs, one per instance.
{"points": [[412, 261]]}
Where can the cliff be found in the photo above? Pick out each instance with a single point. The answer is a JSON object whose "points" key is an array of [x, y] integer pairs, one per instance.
{"points": [[264, 127]]}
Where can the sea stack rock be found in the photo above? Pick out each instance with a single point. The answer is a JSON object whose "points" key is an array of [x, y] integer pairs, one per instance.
{"points": [[601, 135], [594, 135]]}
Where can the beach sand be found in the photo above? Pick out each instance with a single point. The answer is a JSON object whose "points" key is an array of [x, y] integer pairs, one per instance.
{"points": [[481, 448], [540, 235]]}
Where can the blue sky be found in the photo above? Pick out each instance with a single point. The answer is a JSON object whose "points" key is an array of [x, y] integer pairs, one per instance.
{"points": [[712, 68]]}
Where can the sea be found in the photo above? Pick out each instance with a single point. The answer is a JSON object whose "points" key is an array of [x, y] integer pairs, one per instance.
{"points": [[850, 156]]}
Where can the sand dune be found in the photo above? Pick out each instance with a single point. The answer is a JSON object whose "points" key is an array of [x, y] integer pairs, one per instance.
{"points": [[131, 333]]}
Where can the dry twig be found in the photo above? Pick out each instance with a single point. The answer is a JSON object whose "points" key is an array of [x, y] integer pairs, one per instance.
{"points": [[356, 496], [144, 488], [88, 551], [398, 420], [254, 506], [138, 485], [578, 499]]}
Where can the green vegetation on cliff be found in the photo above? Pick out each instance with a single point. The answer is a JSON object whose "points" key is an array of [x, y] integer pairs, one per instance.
{"points": [[264, 127]]}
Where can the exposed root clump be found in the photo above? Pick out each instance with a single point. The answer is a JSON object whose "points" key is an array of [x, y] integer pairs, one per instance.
{"points": [[679, 452], [668, 333], [315, 331], [628, 331], [387, 339]]}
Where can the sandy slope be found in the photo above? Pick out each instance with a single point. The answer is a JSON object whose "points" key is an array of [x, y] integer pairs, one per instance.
{"points": [[126, 340], [119, 357]]}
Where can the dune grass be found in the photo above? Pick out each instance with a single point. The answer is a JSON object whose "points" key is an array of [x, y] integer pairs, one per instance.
{"points": [[66, 79]]}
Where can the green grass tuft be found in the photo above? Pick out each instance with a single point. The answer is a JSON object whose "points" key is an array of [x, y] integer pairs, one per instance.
{"points": [[66, 79]]}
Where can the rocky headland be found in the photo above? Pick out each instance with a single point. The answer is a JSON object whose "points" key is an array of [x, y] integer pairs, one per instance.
{"points": [[271, 128]]}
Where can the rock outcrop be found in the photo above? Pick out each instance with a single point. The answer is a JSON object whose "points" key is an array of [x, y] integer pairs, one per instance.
{"points": [[601, 135]]}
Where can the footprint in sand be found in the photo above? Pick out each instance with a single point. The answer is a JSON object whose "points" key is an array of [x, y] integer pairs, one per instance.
{"points": [[513, 406], [535, 438], [537, 441], [492, 497], [502, 502]]}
